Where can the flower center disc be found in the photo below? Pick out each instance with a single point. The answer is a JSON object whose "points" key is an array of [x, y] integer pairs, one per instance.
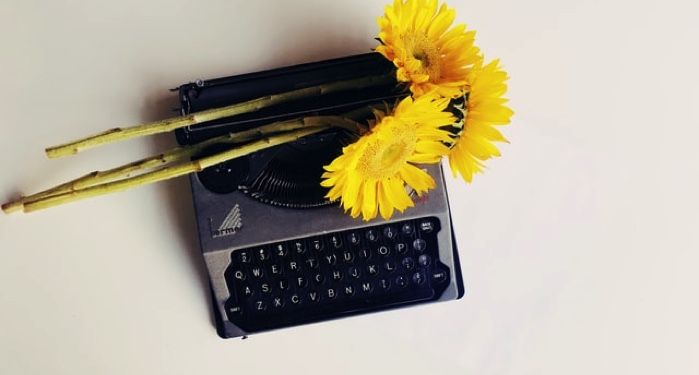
{"points": [[384, 158], [424, 51]]}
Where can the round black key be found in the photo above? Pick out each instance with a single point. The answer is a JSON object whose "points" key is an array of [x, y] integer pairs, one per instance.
{"points": [[336, 241], [384, 250], [239, 275], [371, 235], [248, 291], [418, 278], [314, 296], [424, 260], [299, 247], [408, 263], [401, 281], [354, 272], [283, 284], [401, 248], [389, 232], [372, 269], [243, 256], [389, 266], [331, 293], [281, 250], [419, 245], [295, 299], [312, 263], [354, 238], [301, 282], [348, 290], [407, 229], [266, 288], [318, 278], [277, 302], [259, 305], [276, 269], [366, 287], [385, 284], [330, 259], [262, 254], [294, 266], [336, 275], [317, 244], [257, 272], [365, 253], [348, 256]]}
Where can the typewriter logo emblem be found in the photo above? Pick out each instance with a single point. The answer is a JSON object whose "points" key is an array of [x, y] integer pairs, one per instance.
{"points": [[230, 225]]}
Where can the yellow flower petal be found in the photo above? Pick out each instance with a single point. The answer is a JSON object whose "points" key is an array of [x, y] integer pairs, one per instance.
{"points": [[418, 179], [370, 176], [486, 108], [369, 201], [385, 206], [430, 54], [349, 195]]}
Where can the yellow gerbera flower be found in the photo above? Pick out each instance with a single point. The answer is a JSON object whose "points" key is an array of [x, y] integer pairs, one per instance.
{"points": [[486, 107], [429, 55], [371, 174]]}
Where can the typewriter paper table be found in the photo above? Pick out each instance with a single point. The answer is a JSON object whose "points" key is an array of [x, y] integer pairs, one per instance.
{"points": [[578, 247]]}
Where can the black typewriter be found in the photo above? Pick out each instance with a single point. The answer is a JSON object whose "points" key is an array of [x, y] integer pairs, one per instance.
{"points": [[278, 253]]}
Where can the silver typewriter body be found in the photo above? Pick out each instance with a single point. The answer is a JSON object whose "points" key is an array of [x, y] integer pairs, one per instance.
{"points": [[232, 216], [236, 221]]}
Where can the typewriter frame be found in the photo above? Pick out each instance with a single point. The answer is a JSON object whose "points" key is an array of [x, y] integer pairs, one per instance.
{"points": [[217, 249]]}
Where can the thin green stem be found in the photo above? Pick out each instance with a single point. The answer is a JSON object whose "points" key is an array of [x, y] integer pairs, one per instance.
{"points": [[163, 126], [182, 153], [170, 171]]}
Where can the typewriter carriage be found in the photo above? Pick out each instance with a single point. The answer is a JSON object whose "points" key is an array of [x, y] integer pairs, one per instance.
{"points": [[286, 175]]}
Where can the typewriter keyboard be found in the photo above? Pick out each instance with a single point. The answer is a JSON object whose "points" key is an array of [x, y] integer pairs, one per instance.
{"points": [[334, 275]]}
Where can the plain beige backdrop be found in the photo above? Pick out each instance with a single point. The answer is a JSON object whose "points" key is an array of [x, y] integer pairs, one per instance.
{"points": [[579, 247]]}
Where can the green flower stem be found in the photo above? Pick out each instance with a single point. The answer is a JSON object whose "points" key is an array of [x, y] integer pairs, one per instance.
{"points": [[181, 153], [168, 172], [163, 126]]}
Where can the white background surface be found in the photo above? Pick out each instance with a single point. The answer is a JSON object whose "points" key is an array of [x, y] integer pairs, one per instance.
{"points": [[579, 246]]}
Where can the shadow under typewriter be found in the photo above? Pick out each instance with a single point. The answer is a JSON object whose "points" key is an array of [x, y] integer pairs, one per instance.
{"points": [[277, 252]]}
